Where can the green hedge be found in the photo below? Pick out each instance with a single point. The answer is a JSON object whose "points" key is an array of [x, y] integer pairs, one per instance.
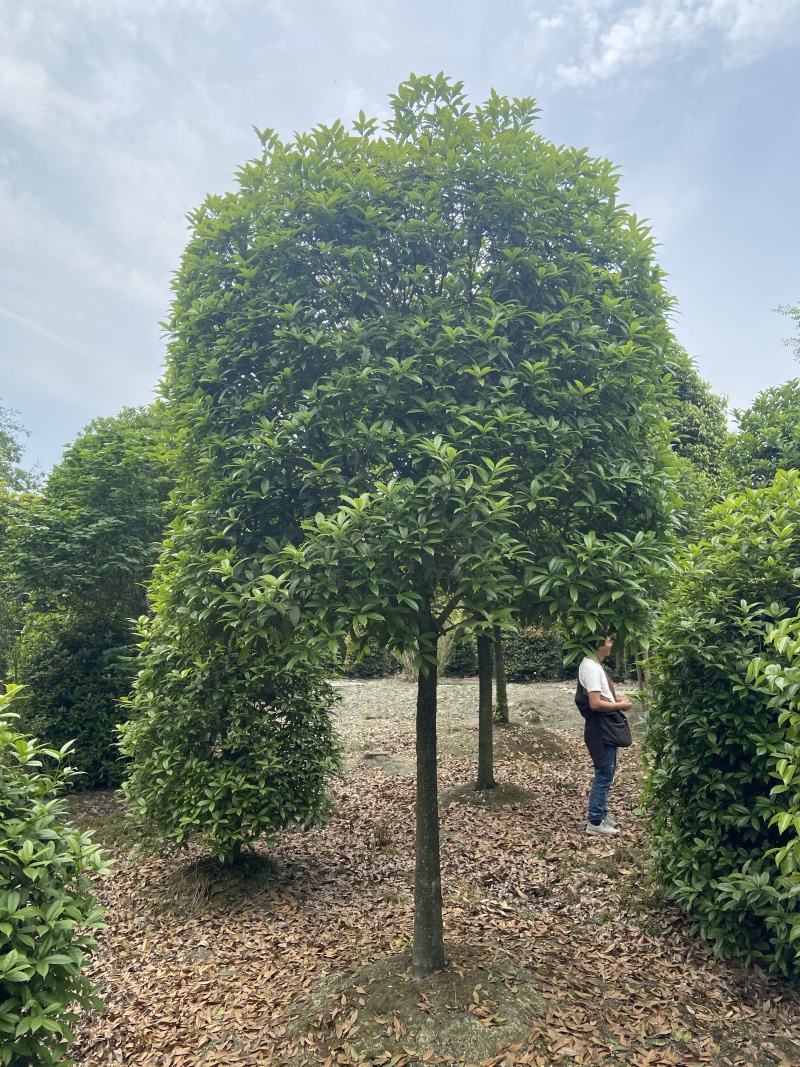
{"points": [[530, 656], [718, 743], [536, 655], [76, 671], [47, 909]]}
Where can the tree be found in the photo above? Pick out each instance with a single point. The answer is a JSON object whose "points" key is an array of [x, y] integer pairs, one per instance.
{"points": [[90, 543], [717, 745], [768, 438], [415, 371], [792, 312], [12, 476], [699, 421], [76, 562]]}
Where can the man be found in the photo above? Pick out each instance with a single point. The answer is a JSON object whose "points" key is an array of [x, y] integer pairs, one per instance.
{"points": [[596, 699]]}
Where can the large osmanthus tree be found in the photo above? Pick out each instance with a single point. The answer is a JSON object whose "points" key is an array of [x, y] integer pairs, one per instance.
{"points": [[417, 371]]}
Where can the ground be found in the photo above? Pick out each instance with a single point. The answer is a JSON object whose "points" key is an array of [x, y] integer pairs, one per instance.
{"points": [[560, 947]]}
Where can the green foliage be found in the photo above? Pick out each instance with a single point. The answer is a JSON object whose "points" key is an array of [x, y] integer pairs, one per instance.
{"points": [[75, 563], [768, 438], [464, 657], [699, 421], [229, 740], [792, 312], [436, 356], [46, 906], [716, 741], [375, 662], [535, 655], [77, 670], [779, 677], [12, 476], [89, 544]]}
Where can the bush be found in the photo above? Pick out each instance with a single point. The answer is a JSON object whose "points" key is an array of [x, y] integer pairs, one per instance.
{"points": [[464, 658], [376, 662], [45, 903], [76, 671], [228, 743], [535, 655], [718, 741]]}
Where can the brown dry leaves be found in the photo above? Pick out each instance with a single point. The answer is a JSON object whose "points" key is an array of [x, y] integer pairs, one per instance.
{"points": [[199, 971]]}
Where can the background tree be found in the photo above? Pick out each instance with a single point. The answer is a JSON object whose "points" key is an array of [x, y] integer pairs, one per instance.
{"points": [[768, 437], [78, 558], [793, 312], [12, 476], [415, 371], [716, 743]]}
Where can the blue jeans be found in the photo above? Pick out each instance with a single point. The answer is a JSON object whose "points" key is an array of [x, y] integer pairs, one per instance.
{"points": [[603, 777]]}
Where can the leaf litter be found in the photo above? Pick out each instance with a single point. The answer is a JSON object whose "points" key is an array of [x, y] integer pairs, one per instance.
{"points": [[561, 948]]}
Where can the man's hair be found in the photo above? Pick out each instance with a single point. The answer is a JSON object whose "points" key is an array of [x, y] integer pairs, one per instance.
{"points": [[600, 639]]}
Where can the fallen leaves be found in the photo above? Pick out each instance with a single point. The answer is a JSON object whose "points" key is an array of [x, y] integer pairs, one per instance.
{"points": [[223, 971]]}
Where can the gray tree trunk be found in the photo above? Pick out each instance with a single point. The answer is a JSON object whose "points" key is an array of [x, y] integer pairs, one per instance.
{"points": [[501, 704], [485, 738], [427, 954]]}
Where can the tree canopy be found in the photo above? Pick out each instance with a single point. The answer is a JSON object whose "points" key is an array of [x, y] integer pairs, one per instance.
{"points": [[768, 438]]}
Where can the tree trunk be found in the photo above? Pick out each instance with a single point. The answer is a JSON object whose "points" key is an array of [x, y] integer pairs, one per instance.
{"points": [[485, 738], [501, 706], [427, 954]]}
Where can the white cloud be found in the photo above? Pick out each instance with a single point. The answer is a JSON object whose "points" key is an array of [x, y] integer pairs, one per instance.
{"points": [[618, 41]]}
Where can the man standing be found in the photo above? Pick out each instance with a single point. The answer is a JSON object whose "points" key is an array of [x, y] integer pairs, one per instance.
{"points": [[597, 701]]}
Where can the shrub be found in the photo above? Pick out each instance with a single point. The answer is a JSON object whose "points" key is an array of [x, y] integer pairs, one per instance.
{"points": [[464, 658], [376, 662], [76, 671], [228, 743], [46, 905], [535, 654], [717, 740]]}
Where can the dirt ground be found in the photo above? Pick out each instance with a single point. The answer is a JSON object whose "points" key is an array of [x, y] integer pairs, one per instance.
{"points": [[561, 948], [376, 719]]}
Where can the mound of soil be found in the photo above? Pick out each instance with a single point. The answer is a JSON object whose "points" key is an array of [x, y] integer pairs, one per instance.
{"points": [[377, 1013]]}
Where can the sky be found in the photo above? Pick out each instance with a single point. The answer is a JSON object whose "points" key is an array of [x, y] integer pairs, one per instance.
{"points": [[117, 117]]}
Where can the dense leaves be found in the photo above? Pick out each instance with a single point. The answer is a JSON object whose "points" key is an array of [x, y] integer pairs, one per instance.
{"points": [[74, 565], [718, 744], [46, 906], [77, 669], [89, 544], [229, 743], [768, 437]]}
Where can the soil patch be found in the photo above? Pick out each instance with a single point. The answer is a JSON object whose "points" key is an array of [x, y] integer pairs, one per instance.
{"points": [[501, 796], [378, 1015]]}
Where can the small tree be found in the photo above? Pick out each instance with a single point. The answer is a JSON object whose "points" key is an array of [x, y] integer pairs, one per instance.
{"points": [[46, 903]]}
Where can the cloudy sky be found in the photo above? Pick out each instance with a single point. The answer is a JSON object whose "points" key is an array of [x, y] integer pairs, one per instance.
{"points": [[119, 116]]}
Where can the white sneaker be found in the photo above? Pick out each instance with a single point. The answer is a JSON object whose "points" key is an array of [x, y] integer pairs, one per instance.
{"points": [[601, 828], [610, 821]]}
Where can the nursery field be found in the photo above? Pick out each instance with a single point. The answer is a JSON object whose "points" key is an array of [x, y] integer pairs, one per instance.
{"points": [[561, 949]]}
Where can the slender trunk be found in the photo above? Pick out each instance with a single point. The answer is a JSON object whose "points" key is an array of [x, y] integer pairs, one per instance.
{"points": [[625, 660], [501, 705], [427, 954], [485, 738]]}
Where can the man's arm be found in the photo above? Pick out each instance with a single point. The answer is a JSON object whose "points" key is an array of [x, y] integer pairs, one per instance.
{"points": [[597, 702]]}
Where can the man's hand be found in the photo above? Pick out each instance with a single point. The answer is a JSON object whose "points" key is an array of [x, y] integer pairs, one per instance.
{"points": [[625, 704]]}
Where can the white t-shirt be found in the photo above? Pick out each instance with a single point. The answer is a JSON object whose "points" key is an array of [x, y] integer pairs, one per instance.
{"points": [[593, 678]]}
